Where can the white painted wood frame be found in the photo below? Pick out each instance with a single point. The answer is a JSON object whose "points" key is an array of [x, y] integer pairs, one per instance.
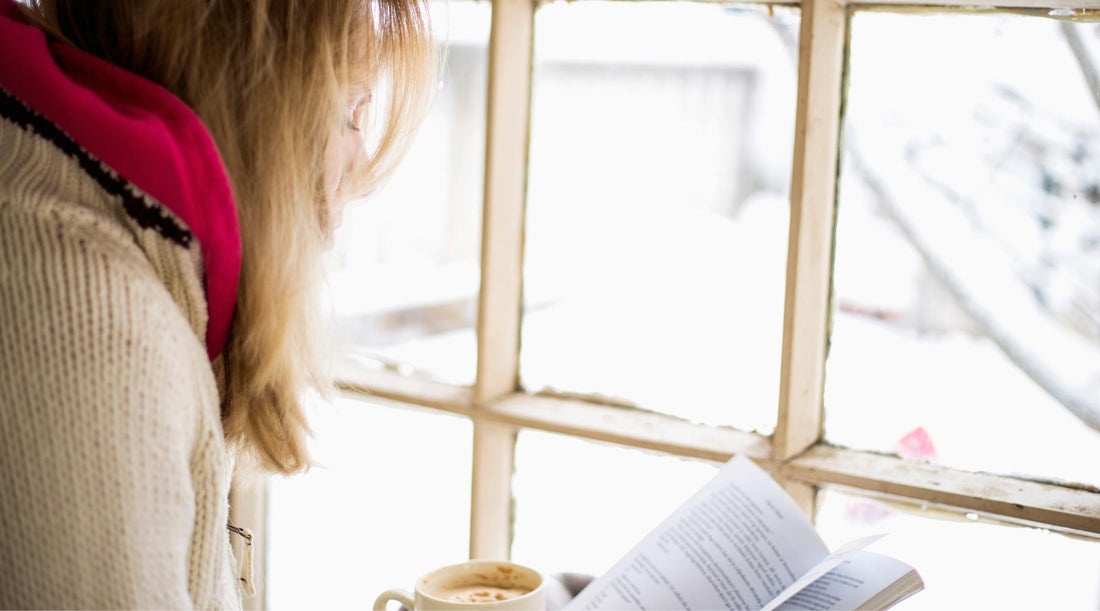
{"points": [[501, 299], [248, 509], [810, 241], [1047, 504]]}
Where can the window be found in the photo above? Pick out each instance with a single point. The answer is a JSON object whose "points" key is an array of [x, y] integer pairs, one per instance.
{"points": [[322, 553], [967, 291], [656, 213], [653, 286]]}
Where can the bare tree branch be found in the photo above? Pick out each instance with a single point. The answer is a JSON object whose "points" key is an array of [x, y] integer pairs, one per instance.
{"points": [[1068, 369], [1084, 59]]}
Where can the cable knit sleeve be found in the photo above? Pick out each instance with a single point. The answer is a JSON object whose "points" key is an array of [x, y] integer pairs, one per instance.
{"points": [[105, 416]]}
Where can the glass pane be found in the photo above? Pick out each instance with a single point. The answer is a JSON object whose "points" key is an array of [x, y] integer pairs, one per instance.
{"points": [[405, 271], [967, 279], [657, 205], [967, 562], [580, 506], [377, 510]]}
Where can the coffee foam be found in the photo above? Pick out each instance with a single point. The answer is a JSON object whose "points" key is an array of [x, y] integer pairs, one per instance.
{"points": [[491, 584], [480, 593]]}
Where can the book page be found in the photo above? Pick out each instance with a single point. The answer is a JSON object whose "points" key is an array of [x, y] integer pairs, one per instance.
{"points": [[735, 544], [821, 568], [848, 586]]}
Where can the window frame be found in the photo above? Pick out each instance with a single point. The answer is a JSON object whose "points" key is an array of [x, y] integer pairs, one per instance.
{"points": [[796, 453]]}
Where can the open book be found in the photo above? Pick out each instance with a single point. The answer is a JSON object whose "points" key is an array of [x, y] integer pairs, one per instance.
{"points": [[742, 543]]}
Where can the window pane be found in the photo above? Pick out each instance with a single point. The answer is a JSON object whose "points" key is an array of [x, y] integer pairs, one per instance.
{"points": [[377, 510], [657, 205], [405, 270], [580, 506], [967, 562], [967, 278]]}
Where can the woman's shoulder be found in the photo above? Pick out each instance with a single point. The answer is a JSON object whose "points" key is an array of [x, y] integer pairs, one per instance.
{"points": [[57, 201], [75, 280]]}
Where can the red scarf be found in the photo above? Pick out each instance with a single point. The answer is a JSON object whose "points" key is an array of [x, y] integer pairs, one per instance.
{"points": [[142, 132]]}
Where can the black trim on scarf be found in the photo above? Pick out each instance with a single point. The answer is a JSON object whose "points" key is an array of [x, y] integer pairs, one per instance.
{"points": [[146, 211]]}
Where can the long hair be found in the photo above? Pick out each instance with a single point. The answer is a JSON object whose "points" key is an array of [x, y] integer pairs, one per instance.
{"points": [[268, 78]]}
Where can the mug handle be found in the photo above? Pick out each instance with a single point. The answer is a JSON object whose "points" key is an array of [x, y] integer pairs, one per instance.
{"points": [[400, 596]]}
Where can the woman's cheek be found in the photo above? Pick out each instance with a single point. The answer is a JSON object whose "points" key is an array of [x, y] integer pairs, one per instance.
{"points": [[334, 162]]}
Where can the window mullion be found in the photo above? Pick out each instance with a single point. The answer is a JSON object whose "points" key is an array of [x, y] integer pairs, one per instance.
{"points": [[500, 301], [810, 247], [1063, 507], [505, 191]]}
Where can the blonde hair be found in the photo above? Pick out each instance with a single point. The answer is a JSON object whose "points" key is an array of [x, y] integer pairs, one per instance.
{"points": [[268, 78]]}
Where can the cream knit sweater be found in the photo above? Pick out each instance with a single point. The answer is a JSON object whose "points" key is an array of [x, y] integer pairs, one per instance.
{"points": [[114, 473]]}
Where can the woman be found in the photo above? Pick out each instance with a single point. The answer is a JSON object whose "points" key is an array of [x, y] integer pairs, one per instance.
{"points": [[170, 171]]}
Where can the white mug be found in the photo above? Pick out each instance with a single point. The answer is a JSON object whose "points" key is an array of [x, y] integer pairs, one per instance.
{"points": [[482, 585]]}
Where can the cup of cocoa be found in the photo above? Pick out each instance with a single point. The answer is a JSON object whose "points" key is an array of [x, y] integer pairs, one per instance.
{"points": [[499, 585]]}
